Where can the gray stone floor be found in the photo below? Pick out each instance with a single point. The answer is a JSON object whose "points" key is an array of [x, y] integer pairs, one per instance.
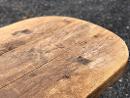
{"points": [[111, 14]]}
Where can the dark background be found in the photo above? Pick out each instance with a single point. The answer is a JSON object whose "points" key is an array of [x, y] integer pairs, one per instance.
{"points": [[111, 14]]}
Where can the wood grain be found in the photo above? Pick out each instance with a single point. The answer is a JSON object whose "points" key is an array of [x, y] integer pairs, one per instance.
{"points": [[58, 57]]}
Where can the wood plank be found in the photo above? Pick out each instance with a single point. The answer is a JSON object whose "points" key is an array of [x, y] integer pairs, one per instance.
{"points": [[58, 57]]}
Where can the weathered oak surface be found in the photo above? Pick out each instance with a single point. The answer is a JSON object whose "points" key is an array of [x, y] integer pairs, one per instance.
{"points": [[58, 57]]}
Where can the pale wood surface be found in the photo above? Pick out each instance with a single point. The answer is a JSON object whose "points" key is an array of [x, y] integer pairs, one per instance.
{"points": [[58, 57]]}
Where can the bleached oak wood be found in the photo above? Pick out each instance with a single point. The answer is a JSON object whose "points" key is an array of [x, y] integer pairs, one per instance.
{"points": [[58, 57]]}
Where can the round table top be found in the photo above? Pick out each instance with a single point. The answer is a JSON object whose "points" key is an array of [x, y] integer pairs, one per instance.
{"points": [[58, 57]]}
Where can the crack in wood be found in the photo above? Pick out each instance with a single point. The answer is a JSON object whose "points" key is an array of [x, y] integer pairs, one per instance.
{"points": [[82, 60], [11, 45], [25, 31]]}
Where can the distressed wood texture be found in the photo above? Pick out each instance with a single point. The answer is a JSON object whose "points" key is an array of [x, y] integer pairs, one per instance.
{"points": [[58, 57]]}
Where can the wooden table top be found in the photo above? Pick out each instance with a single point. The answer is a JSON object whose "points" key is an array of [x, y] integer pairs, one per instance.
{"points": [[58, 57]]}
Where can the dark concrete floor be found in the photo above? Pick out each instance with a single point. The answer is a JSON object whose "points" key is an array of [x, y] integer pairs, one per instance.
{"points": [[111, 14]]}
